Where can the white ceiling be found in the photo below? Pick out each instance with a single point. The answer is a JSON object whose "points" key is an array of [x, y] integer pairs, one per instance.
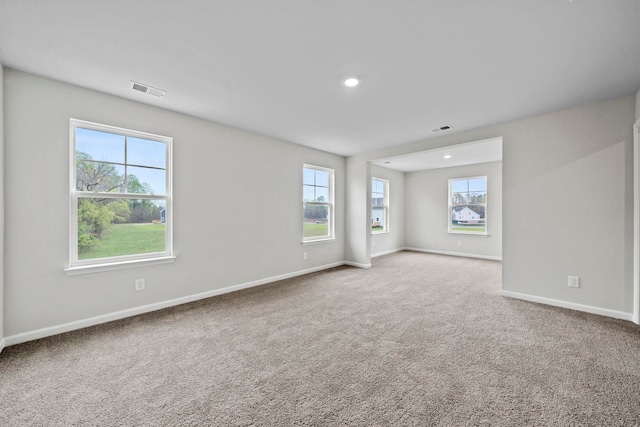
{"points": [[488, 150], [276, 66]]}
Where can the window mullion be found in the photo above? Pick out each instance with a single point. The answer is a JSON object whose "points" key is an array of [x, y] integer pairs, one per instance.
{"points": [[130, 196], [126, 172]]}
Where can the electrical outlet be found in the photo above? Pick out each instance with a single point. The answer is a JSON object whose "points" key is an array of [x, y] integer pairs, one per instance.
{"points": [[140, 285], [305, 255], [574, 281]]}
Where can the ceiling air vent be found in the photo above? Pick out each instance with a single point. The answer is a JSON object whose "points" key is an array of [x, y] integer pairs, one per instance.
{"points": [[148, 89], [441, 128]]}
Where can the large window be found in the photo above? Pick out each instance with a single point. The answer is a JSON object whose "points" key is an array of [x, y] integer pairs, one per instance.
{"points": [[468, 205], [317, 202], [120, 195], [379, 205]]}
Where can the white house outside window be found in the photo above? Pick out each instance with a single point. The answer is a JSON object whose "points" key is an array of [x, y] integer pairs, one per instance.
{"points": [[468, 205], [317, 203], [379, 205], [120, 195]]}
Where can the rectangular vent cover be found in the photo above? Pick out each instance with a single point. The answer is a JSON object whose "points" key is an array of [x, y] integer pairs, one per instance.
{"points": [[441, 128], [148, 89]]}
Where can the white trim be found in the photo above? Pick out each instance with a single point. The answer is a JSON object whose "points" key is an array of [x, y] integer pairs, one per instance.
{"points": [[357, 264], [636, 222], [313, 242], [385, 206], [330, 204], [75, 194], [104, 318], [97, 268], [450, 206], [2, 345], [569, 305], [391, 251], [460, 254], [469, 234]]}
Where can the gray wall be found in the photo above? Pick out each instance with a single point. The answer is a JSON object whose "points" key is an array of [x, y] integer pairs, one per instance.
{"points": [[567, 202], [237, 207], [427, 215], [358, 212], [392, 241], [1, 206]]}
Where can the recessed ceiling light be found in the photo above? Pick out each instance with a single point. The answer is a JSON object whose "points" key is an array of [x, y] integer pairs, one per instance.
{"points": [[352, 81], [446, 156]]}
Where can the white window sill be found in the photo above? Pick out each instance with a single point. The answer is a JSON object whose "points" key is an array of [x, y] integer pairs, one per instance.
{"points": [[373, 233], [313, 242], [460, 233], [97, 268]]}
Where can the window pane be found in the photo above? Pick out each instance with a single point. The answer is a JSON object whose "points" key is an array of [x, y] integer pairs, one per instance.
{"points": [[377, 199], [459, 198], [308, 193], [146, 180], [322, 178], [377, 219], [322, 194], [103, 146], [469, 218], [377, 186], [98, 176], [144, 152], [478, 197], [459, 186], [308, 176], [116, 227], [478, 184], [315, 221]]}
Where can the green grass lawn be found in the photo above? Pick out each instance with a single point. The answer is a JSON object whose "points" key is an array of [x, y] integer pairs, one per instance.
{"points": [[129, 239], [471, 228], [314, 230]]}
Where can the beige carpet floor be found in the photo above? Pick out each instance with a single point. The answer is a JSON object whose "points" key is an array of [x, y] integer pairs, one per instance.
{"points": [[416, 340]]}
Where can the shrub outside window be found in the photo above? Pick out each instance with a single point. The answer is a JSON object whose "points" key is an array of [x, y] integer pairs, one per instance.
{"points": [[120, 195], [317, 203], [468, 205], [379, 205]]}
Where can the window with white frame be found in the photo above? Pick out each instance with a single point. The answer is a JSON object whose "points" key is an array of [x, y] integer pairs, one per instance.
{"points": [[468, 205], [120, 195], [317, 203], [379, 205]]}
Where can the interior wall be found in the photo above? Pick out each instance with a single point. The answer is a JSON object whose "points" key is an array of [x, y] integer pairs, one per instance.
{"points": [[567, 203], [358, 212], [1, 207], [393, 240], [427, 216], [237, 207]]}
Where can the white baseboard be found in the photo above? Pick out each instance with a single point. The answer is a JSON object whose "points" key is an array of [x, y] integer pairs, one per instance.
{"points": [[96, 320], [461, 254], [2, 345], [357, 264], [391, 251], [570, 305]]}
